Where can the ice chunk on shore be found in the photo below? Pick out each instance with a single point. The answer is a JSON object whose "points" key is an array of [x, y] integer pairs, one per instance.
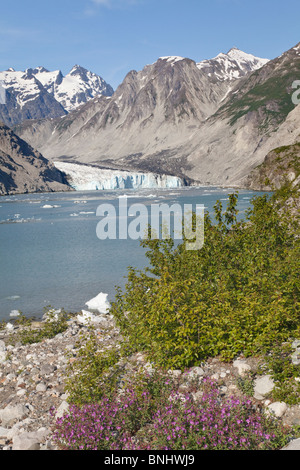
{"points": [[52, 314], [88, 317], [99, 303]]}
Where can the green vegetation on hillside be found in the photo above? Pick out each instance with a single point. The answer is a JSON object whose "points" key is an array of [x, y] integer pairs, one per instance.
{"points": [[273, 96], [269, 96], [279, 171]]}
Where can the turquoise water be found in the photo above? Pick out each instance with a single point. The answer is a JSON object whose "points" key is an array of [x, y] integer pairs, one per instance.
{"points": [[52, 255]]}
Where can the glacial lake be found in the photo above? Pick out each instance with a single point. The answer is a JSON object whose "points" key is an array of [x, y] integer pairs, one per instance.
{"points": [[50, 253]]}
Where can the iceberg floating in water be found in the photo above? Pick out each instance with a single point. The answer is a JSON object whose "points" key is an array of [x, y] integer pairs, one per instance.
{"points": [[88, 178], [14, 313], [99, 303]]}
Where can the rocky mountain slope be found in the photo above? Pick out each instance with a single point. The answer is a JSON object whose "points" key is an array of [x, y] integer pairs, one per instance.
{"points": [[23, 169], [212, 123], [280, 166], [38, 93]]}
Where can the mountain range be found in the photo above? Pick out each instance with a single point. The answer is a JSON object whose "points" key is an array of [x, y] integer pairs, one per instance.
{"points": [[39, 93], [209, 122]]}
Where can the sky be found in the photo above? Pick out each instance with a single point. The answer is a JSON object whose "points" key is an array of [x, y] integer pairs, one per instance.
{"points": [[112, 37]]}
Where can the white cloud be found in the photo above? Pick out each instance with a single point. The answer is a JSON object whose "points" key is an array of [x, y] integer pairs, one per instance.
{"points": [[115, 3], [103, 2], [96, 5]]}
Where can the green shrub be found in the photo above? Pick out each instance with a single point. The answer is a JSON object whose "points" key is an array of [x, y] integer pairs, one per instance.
{"points": [[52, 326], [238, 294], [93, 372]]}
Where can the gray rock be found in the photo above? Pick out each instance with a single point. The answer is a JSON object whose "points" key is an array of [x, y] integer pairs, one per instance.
{"points": [[10, 377], [296, 358], [41, 387], [241, 366], [293, 445], [26, 442], [63, 408], [215, 376], [194, 373], [15, 431], [11, 413], [197, 371], [2, 356], [29, 440], [175, 373], [197, 395], [263, 386], [292, 416], [3, 432], [277, 408], [296, 344]]}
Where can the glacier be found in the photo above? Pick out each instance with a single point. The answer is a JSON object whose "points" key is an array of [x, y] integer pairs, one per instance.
{"points": [[89, 178]]}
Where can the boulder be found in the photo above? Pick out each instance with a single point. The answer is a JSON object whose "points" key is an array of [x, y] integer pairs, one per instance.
{"points": [[30, 440], [242, 367], [277, 409], [11, 413], [263, 386], [293, 445], [62, 409]]}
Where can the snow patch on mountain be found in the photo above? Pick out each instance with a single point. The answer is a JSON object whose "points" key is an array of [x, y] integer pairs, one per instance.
{"points": [[23, 84], [172, 59], [88, 178]]}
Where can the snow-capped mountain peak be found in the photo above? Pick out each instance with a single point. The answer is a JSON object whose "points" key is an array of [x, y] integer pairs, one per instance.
{"points": [[231, 66], [243, 57], [76, 88], [78, 70], [79, 86]]}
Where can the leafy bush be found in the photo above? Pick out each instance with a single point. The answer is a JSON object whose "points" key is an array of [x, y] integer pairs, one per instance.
{"points": [[285, 374], [91, 370], [238, 294], [52, 326]]}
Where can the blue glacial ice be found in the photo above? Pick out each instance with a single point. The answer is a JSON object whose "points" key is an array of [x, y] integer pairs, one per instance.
{"points": [[88, 178]]}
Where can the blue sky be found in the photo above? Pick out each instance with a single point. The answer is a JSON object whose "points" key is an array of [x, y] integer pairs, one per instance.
{"points": [[112, 37]]}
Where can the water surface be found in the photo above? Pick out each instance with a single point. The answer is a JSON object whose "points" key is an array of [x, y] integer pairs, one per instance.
{"points": [[50, 253]]}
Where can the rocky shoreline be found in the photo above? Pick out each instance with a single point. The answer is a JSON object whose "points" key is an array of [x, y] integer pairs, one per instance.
{"points": [[32, 383]]}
